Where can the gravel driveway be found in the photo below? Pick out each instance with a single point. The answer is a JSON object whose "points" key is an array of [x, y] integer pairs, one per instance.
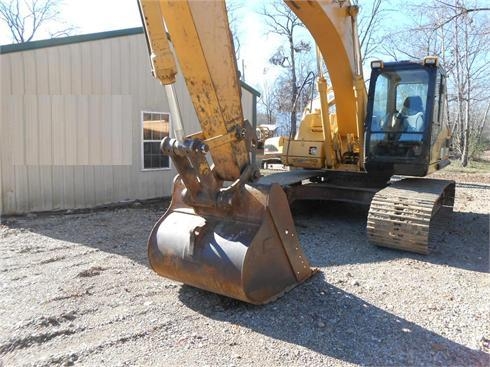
{"points": [[76, 289]]}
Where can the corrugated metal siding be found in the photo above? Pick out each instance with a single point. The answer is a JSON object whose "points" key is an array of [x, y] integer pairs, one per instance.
{"points": [[70, 129], [247, 105], [1, 201]]}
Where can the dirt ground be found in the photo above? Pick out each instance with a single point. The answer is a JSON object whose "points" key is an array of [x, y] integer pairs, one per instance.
{"points": [[76, 289]]}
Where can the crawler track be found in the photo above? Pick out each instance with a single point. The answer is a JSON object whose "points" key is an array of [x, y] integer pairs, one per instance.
{"points": [[401, 214]]}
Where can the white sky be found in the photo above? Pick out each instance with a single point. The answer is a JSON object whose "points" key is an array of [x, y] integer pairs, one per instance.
{"points": [[90, 16], [101, 15]]}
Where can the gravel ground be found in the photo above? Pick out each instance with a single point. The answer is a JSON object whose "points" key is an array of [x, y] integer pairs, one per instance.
{"points": [[76, 289]]}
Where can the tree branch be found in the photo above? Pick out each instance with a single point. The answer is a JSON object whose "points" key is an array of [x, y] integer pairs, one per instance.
{"points": [[25, 18]]}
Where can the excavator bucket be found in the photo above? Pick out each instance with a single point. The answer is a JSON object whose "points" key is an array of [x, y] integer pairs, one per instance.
{"points": [[249, 251]]}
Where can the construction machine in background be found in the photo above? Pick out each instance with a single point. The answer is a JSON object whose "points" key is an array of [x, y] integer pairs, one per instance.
{"points": [[230, 231], [264, 132]]}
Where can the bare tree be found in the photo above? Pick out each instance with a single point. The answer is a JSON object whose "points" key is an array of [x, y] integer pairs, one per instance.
{"points": [[478, 145], [233, 8], [457, 32], [26, 18], [281, 20], [459, 9], [268, 103], [465, 53], [369, 23]]}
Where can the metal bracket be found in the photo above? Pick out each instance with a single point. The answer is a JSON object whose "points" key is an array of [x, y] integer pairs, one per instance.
{"points": [[237, 133]]}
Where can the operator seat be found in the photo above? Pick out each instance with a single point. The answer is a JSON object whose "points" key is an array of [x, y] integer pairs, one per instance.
{"points": [[413, 114]]}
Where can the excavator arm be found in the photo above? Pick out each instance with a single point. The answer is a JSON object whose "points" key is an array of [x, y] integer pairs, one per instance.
{"points": [[203, 46], [205, 54], [236, 239]]}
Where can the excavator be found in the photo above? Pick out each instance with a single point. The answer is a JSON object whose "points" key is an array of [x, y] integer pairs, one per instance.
{"points": [[229, 230]]}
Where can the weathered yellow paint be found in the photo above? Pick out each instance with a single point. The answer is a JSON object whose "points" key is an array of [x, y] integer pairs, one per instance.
{"points": [[304, 153], [325, 119], [331, 27], [204, 49], [162, 59]]}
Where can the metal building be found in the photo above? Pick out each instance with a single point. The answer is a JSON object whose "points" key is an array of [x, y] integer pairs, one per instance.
{"points": [[80, 123]]}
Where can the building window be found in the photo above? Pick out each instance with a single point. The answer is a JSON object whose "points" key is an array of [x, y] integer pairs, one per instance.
{"points": [[155, 128]]}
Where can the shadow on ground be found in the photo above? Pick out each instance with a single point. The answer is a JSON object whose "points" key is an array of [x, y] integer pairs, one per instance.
{"points": [[339, 228], [122, 231], [459, 239], [338, 324]]}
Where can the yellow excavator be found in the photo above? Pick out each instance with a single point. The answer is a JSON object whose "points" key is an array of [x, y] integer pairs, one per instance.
{"points": [[230, 231]]}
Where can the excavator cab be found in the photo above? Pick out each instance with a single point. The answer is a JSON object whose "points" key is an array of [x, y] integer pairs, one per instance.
{"points": [[405, 130]]}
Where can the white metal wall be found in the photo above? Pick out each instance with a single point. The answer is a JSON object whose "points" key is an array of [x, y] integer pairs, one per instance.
{"points": [[70, 129], [247, 105]]}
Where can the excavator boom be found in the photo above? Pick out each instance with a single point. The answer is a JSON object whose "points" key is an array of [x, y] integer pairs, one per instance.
{"points": [[333, 27]]}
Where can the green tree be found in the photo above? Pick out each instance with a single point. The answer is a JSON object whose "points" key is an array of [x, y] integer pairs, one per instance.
{"points": [[456, 31]]}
